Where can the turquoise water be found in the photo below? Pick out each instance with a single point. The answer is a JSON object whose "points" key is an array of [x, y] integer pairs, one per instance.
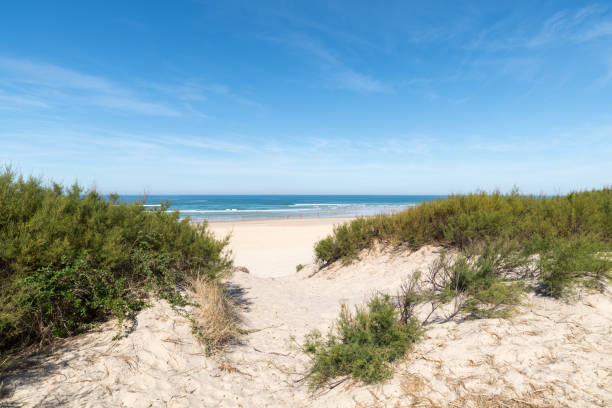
{"points": [[249, 207]]}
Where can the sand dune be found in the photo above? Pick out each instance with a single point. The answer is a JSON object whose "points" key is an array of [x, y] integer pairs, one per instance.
{"points": [[551, 353]]}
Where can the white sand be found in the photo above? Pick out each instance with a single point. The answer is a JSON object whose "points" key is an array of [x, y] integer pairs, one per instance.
{"points": [[557, 353], [272, 248]]}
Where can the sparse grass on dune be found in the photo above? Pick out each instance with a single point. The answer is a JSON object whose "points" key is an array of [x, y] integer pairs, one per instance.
{"points": [[70, 259]]}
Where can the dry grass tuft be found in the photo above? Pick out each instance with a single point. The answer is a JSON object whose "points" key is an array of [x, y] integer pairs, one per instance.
{"points": [[412, 384], [536, 397], [530, 400], [217, 317]]}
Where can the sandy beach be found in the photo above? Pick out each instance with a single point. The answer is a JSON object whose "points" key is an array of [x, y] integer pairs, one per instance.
{"points": [[551, 354], [272, 248]]}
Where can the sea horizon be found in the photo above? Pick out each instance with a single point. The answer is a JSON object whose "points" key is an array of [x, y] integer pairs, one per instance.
{"points": [[242, 207]]}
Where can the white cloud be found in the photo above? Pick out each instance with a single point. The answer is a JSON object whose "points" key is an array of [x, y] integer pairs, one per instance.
{"points": [[565, 26], [358, 82], [53, 76], [193, 91], [208, 144], [17, 102], [608, 76], [134, 105], [337, 73], [42, 85], [586, 24], [601, 29]]}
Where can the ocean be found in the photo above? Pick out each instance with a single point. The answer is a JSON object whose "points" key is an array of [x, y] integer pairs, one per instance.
{"points": [[257, 207]]}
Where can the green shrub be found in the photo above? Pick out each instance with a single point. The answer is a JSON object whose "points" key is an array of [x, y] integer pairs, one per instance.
{"points": [[463, 220], [69, 259], [482, 281], [299, 267], [362, 344], [571, 262], [326, 250]]}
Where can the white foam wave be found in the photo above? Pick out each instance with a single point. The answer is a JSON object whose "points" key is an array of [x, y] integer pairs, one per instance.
{"points": [[306, 208], [241, 211], [321, 204]]}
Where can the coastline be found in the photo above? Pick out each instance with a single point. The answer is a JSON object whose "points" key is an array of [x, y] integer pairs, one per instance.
{"points": [[278, 221], [228, 216], [227, 208]]}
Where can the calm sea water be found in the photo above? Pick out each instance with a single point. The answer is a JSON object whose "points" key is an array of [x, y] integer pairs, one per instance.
{"points": [[248, 207]]}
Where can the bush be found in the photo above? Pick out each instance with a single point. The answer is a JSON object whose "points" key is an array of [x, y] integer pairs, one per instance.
{"points": [[482, 281], [463, 220], [568, 263], [70, 259], [362, 344]]}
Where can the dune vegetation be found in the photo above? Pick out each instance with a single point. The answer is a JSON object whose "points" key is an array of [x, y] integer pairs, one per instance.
{"points": [[496, 248], [70, 259], [363, 345], [548, 226]]}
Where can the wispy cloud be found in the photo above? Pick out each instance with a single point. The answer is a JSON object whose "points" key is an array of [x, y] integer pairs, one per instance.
{"points": [[336, 73], [412, 146], [564, 26], [209, 144], [186, 91], [27, 85], [43, 74], [134, 105], [223, 90], [10, 101], [48, 85], [300, 20], [601, 29], [608, 75], [194, 91], [355, 81], [495, 148], [585, 24]]}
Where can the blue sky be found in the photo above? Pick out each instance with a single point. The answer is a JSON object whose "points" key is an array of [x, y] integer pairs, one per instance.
{"points": [[308, 97]]}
